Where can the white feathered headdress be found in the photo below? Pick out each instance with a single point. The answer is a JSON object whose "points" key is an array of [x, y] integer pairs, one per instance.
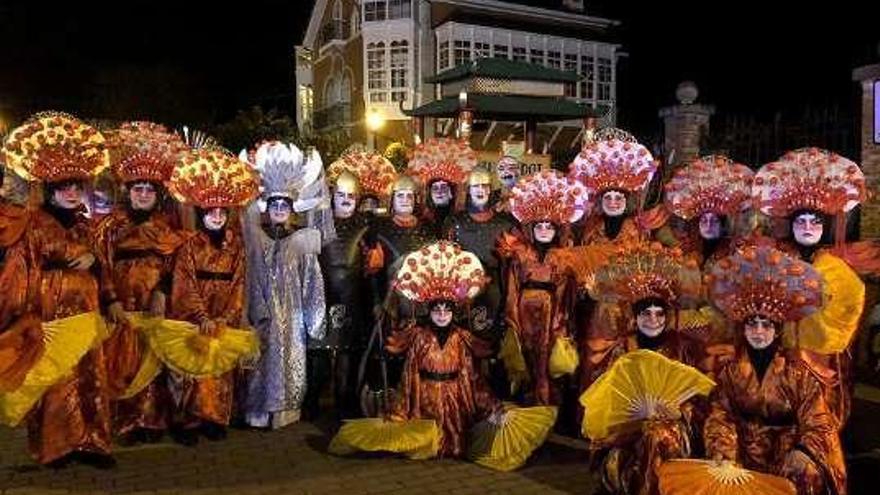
{"points": [[286, 172]]}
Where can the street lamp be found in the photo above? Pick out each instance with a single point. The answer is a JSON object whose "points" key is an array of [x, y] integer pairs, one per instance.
{"points": [[374, 121]]}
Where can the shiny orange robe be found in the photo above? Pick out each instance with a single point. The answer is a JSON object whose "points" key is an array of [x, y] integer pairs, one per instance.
{"points": [[758, 422], [73, 415], [440, 382], [540, 301], [208, 283], [136, 260], [630, 461], [13, 263]]}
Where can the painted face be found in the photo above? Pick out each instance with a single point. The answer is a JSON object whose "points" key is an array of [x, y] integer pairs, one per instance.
{"points": [[215, 218], [807, 229], [279, 211], [544, 232], [102, 203], [441, 315], [441, 193], [760, 332], [344, 204], [68, 196], [508, 172], [710, 226], [651, 321], [142, 196], [613, 203], [479, 195], [404, 202]]}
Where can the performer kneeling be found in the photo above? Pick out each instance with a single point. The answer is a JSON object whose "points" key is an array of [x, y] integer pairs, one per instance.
{"points": [[441, 395]]}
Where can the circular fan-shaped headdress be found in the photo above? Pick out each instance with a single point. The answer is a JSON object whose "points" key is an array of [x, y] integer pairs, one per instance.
{"points": [[549, 196], [440, 271]]}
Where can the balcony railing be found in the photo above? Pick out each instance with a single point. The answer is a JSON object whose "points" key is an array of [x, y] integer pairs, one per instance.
{"points": [[335, 115], [337, 29]]}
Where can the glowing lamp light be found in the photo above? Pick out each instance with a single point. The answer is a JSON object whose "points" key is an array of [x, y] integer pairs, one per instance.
{"points": [[375, 121]]}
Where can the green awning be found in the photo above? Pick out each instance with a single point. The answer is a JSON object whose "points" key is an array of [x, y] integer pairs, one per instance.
{"points": [[502, 68], [510, 107]]}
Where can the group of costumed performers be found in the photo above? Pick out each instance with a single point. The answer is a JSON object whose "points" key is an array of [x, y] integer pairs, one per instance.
{"points": [[466, 312]]}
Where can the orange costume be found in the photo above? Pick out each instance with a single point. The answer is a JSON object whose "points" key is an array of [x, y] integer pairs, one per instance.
{"points": [[824, 184], [13, 263], [644, 275], [136, 250], [209, 272], [768, 412], [540, 292], [439, 379], [73, 415]]}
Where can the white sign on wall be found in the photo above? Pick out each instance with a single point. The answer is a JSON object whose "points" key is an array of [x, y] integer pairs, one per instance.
{"points": [[877, 111]]}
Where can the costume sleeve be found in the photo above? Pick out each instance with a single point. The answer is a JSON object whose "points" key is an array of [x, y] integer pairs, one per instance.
{"points": [[233, 314], [401, 340], [104, 242], [186, 299], [314, 304], [817, 428], [719, 432]]}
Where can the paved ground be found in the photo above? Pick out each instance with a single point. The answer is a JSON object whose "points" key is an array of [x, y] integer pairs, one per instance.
{"points": [[291, 461]]}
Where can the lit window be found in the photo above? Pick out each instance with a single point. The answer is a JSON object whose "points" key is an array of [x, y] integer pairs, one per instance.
{"points": [[377, 74], [306, 101], [399, 70]]}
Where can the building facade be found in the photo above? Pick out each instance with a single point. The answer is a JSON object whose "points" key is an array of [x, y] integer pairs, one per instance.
{"points": [[372, 57]]}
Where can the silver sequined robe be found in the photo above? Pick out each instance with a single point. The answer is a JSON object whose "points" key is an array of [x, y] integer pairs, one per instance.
{"points": [[286, 306]]}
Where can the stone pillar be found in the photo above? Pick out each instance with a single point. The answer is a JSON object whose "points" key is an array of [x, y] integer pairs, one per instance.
{"points": [[867, 76], [685, 125]]}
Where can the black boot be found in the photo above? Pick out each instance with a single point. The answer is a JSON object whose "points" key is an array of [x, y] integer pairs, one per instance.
{"points": [[61, 462], [213, 431], [188, 437], [95, 460]]}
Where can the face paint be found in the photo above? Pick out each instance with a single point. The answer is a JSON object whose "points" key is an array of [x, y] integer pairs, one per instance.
{"points": [[613, 203], [651, 321], [403, 202], [441, 193], [279, 211], [344, 204], [760, 332], [441, 315], [479, 195], [68, 196], [807, 229], [142, 196], [215, 218], [544, 232], [710, 226]]}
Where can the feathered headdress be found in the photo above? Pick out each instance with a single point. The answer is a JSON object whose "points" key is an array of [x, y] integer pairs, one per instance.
{"points": [[375, 174], [440, 271], [442, 159], [809, 179], [144, 151], [548, 196], [712, 184], [285, 171], [613, 161], [53, 147], [763, 281], [210, 178], [640, 271]]}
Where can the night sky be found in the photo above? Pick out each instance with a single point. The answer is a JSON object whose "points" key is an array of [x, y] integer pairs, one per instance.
{"points": [[192, 62]]}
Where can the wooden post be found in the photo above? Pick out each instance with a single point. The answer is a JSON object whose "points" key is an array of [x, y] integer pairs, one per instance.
{"points": [[531, 135]]}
